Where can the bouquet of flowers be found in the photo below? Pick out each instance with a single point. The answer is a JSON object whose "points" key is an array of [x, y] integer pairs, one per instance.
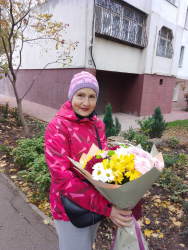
{"points": [[120, 164], [122, 175]]}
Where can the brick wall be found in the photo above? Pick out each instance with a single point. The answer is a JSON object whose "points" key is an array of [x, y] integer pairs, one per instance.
{"points": [[50, 88], [157, 91]]}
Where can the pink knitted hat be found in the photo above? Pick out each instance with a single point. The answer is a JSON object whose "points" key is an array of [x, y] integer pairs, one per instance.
{"points": [[82, 80]]}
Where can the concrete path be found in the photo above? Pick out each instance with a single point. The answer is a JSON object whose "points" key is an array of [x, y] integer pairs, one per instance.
{"points": [[47, 114], [21, 228]]}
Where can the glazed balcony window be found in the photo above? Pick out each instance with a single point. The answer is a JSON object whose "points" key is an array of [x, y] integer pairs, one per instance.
{"points": [[120, 22], [164, 47]]}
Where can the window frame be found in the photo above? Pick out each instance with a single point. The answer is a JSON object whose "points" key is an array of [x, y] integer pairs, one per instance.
{"points": [[175, 97], [182, 50], [167, 41], [186, 20], [99, 25]]}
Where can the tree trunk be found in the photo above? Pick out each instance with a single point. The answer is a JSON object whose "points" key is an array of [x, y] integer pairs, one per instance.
{"points": [[19, 105]]}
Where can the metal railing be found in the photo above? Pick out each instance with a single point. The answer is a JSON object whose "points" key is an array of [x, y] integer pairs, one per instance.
{"points": [[123, 25]]}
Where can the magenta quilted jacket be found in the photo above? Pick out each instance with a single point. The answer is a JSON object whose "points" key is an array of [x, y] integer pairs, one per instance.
{"points": [[66, 136]]}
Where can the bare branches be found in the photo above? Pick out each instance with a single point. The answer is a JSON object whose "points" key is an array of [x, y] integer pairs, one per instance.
{"points": [[57, 61]]}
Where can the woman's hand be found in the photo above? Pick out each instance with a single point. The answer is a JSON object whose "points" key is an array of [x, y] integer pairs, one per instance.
{"points": [[117, 216]]}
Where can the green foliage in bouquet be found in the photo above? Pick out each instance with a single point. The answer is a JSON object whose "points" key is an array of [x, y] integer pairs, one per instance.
{"points": [[108, 121], [117, 126], [159, 124]]}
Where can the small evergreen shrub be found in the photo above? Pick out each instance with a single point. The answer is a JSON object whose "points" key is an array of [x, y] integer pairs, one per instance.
{"points": [[108, 121], [117, 126], [159, 125]]}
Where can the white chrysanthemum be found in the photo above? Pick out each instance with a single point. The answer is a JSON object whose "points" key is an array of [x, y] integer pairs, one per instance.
{"points": [[98, 165], [98, 174], [107, 175], [121, 151]]}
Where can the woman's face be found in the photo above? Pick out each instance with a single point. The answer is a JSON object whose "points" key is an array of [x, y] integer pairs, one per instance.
{"points": [[84, 101]]}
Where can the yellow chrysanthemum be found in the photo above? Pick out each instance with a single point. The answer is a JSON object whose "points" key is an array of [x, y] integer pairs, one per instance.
{"points": [[118, 162], [85, 162], [106, 164], [100, 152], [132, 174], [129, 159]]}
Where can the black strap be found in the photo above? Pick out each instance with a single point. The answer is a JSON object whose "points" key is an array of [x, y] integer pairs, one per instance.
{"points": [[98, 138]]}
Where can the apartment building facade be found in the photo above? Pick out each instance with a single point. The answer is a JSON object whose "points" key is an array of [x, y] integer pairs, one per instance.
{"points": [[137, 49]]}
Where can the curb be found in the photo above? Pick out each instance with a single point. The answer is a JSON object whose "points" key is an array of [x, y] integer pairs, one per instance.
{"points": [[38, 211]]}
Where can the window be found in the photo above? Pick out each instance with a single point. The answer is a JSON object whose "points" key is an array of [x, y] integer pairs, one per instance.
{"points": [[181, 56], [186, 21], [175, 96], [120, 21], [164, 47]]}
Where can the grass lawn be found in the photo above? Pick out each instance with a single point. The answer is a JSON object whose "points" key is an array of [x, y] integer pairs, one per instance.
{"points": [[178, 124]]}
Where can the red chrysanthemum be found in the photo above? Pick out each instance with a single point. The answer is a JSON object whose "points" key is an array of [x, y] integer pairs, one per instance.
{"points": [[114, 148], [91, 163]]}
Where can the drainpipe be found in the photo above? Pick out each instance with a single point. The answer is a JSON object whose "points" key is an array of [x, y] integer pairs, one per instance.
{"points": [[153, 51], [93, 36]]}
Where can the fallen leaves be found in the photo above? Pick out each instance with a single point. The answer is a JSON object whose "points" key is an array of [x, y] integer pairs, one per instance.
{"points": [[181, 245], [46, 222]]}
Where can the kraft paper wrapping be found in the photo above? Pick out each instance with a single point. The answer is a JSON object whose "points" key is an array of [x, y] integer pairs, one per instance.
{"points": [[125, 196], [126, 239]]}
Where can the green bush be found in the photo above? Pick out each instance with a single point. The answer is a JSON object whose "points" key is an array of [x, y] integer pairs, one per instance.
{"points": [[174, 142], [16, 116], [145, 124], [108, 121], [5, 149], [38, 172], [159, 125], [130, 134], [28, 150], [142, 139], [117, 126]]}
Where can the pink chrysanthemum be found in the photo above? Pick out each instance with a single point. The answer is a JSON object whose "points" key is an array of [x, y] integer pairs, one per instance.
{"points": [[159, 165], [142, 165]]}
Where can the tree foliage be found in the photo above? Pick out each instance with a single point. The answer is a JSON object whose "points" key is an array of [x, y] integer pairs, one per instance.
{"points": [[23, 22]]}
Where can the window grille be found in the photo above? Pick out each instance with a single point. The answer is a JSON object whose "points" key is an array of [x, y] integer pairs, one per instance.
{"points": [[181, 56], [165, 48], [120, 22], [175, 96]]}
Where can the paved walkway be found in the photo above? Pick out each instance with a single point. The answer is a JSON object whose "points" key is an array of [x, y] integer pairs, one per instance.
{"points": [[21, 228], [47, 114]]}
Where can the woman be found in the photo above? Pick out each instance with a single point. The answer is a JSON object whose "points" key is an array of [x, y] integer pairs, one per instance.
{"points": [[71, 133]]}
